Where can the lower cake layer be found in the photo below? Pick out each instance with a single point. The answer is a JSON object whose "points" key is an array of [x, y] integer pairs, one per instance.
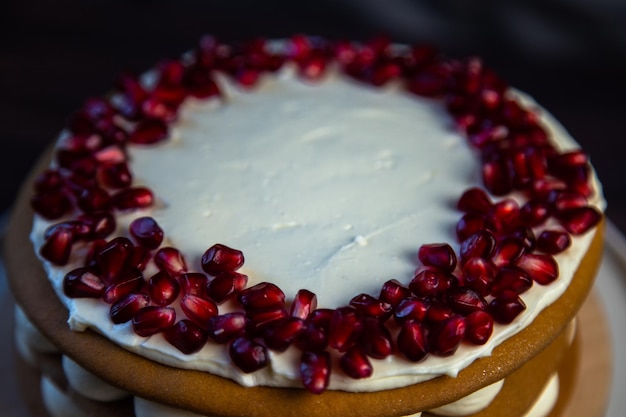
{"points": [[65, 389]]}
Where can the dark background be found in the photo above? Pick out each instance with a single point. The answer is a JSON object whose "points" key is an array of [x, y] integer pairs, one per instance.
{"points": [[568, 54]]}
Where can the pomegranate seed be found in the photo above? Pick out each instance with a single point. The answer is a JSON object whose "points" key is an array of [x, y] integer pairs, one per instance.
{"points": [[248, 355], [199, 310], [48, 181], [126, 307], [94, 199], [356, 364], [149, 131], [113, 154], [98, 224], [82, 282], [567, 161], [152, 319], [226, 327], [579, 220], [445, 338], [247, 77], [478, 245], [171, 261], [534, 212], [303, 303], [194, 283], [51, 205], [474, 200], [506, 306], [465, 301], [411, 309], [113, 259], [315, 371], [375, 339], [260, 296], [128, 282], [313, 67], [370, 306], [260, 318], [553, 241], [429, 82], [344, 328], [163, 289], [526, 236], [316, 334], [543, 269], [496, 178], [393, 292], [226, 285], [542, 188], [519, 170], [429, 282], [507, 251], [280, 336], [470, 223], [504, 215], [438, 312], [186, 336], [139, 258], [478, 275], [133, 198], [565, 200], [439, 255], [478, 327], [115, 175], [412, 341], [511, 278], [146, 232], [220, 258], [200, 84], [58, 246]]}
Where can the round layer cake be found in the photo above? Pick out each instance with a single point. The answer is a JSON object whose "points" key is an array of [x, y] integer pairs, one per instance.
{"points": [[311, 228]]}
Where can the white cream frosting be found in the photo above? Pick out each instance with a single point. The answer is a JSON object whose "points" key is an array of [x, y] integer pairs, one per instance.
{"points": [[381, 169], [547, 399], [472, 403], [89, 385], [29, 342], [58, 402]]}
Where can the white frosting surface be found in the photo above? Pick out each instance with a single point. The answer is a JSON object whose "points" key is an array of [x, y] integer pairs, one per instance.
{"points": [[89, 385], [382, 172], [472, 403], [547, 399]]}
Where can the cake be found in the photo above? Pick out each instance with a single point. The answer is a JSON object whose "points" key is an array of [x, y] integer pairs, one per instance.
{"points": [[307, 228]]}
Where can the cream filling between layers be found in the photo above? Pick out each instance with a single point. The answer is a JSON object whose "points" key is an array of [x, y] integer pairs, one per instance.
{"points": [[330, 187]]}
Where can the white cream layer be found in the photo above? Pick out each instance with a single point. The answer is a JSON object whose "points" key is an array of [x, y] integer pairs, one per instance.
{"points": [[330, 187]]}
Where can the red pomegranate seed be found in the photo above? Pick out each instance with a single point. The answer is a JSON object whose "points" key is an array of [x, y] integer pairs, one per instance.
{"points": [[543, 269], [312, 67], [146, 232], [98, 225], [48, 181], [260, 296], [506, 306], [478, 327], [371, 306], [553, 241], [125, 308], [82, 282], [57, 247], [478, 275], [133, 198], [519, 169], [199, 310], [439, 255], [344, 328], [438, 312], [303, 303], [152, 319], [474, 200], [565, 200], [445, 338], [508, 251], [149, 131], [51, 205], [470, 223], [496, 178], [226, 327], [116, 175], [247, 77], [564, 162], [465, 301], [542, 187], [356, 364], [579, 220], [429, 282], [412, 341], [248, 355], [113, 259], [393, 292], [478, 245], [200, 84], [130, 281], [220, 258], [504, 215], [511, 278], [315, 335], [315, 370], [170, 260], [186, 336], [526, 236], [281, 335], [113, 154], [160, 109], [261, 318], [163, 289], [537, 163], [375, 339], [226, 285], [429, 82], [194, 283], [534, 212], [139, 258], [411, 309]]}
